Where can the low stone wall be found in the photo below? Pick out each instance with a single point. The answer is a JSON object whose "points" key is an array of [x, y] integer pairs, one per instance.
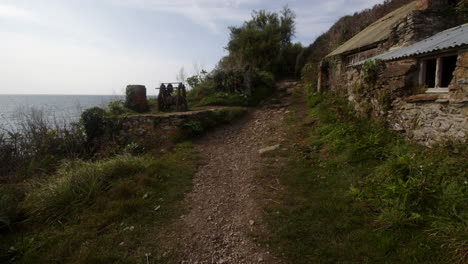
{"points": [[156, 130]]}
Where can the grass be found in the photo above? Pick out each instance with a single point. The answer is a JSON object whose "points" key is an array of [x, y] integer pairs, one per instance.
{"points": [[355, 192], [214, 118], [110, 211], [223, 99], [117, 209]]}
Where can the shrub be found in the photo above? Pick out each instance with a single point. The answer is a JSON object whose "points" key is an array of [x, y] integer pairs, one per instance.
{"points": [[153, 104], [197, 93], [217, 117], [263, 84], [94, 122], [223, 99], [117, 107], [79, 182], [9, 207], [37, 145], [370, 71]]}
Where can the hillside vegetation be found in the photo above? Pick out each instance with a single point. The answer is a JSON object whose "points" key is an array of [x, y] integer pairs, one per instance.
{"points": [[356, 192]]}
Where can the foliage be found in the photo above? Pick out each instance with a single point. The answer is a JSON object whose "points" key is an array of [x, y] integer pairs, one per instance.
{"points": [[214, 118], [227, 88], [118, 107], [263, 84], [462, 9], [37, 145], [153, 104], [221, 98], [370, 70], [408, 184], [197, 93], [309, 76], [264, 41], [356, 192], [94, 122], [77, 183], [9, 207], [102, 211]]}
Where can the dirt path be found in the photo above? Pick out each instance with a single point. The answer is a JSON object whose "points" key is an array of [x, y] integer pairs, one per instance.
{"points": [[223, 207]]}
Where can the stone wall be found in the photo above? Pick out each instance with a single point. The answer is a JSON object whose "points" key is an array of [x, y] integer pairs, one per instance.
{"points": [[430, 118], [154, 130], [397, 97]]}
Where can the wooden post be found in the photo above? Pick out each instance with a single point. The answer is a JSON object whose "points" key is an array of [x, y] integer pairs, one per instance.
{"points": [[422, 72], [177, 98], [438, 79]]}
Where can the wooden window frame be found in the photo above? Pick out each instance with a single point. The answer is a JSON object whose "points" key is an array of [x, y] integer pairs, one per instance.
{"points": [[438, 77]]}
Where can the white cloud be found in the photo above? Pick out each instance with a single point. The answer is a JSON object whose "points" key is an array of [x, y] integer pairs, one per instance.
{"points": [[208, 13], [14, 12]]}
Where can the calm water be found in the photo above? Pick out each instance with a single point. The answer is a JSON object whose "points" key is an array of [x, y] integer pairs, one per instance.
{"points": [[61, 108]]}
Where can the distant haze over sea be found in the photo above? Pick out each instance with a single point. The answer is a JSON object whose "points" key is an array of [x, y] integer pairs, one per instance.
{"points": [[61, 108]]}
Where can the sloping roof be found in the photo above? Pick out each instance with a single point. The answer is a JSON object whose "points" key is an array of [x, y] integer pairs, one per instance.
{"points": [[450, 38], [377, 31]]}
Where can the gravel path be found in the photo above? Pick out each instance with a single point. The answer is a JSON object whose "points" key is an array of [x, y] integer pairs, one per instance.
{"points": [[223, 206]]}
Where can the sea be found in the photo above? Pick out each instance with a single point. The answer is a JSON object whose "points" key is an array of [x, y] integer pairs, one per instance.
{"points": [[56, 109]]}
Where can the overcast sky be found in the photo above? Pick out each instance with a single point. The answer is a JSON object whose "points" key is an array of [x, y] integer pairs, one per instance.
{"points": [[100, 46]]}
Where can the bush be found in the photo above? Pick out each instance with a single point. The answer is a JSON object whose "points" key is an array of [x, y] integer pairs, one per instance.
{"points": [[9, 207], [227, 88], [79, 182], [37, 145], [94, 122], [217, 117], [263, 84], [370, 70], [117, 107], [224, 99], [202, 90]]}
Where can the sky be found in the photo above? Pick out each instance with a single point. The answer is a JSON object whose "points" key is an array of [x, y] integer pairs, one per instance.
{"points": [[100, 46]]}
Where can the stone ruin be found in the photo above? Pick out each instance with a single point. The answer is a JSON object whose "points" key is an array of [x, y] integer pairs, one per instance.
{"points": [[136, 98]]}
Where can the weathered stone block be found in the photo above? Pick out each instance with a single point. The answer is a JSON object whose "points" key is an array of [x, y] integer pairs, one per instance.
{"points": [[136, 98]]}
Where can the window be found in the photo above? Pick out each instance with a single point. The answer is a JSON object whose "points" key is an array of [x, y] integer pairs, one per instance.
{"points": [[437, 73]]}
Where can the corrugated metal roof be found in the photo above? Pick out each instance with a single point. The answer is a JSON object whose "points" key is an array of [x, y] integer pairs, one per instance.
{"points": [[376, 32], [450, 38]]}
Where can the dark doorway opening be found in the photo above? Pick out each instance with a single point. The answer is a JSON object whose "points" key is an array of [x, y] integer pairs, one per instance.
{"points": [[448, 67], [430, 73]]}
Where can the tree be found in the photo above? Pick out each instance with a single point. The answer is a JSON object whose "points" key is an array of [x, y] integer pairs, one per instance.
{"points": [[260, 42]]}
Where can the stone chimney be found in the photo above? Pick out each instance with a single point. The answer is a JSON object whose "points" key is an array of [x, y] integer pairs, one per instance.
{"points": [[433, 4], [423, 4], [136, 98]]}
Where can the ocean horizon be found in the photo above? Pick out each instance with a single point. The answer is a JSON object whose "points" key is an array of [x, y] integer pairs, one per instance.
{"points": [[54, 108]]}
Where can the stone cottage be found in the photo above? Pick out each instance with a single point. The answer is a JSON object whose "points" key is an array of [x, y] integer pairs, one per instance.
{"points": [[409, 67]]}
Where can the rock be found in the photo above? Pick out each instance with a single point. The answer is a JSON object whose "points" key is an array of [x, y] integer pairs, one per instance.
{"points": [[268, 149], [251, 222]]}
